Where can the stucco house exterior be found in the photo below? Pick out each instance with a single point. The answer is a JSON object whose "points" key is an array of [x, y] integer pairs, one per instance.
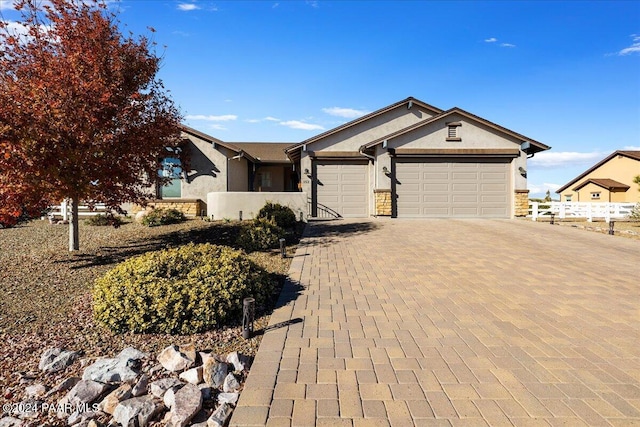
{"points": [[413, 160], [609, 181], [407, 160]]}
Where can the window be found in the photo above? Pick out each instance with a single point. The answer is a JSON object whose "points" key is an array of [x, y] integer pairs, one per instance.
{"points": [[452, 131], [567, 198], [264, 179], [595, 195], [170, 168]]}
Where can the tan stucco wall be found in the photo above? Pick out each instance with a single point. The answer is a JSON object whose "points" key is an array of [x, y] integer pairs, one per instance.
{"points": [[238, 174], [229, 204], [208, 171], [619, 168], [352, 138]]}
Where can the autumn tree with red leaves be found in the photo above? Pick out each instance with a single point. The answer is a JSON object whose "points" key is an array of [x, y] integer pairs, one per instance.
{"points": [[82, 115]]}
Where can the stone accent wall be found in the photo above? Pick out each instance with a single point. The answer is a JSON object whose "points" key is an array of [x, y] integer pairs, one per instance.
{"points": [[189, 207], [383, 202], [521, 203]]}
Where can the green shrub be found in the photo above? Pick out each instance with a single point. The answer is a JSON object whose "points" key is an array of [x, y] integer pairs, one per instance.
{"points": [[163, 217], [635, 212], [184, 290], [282, 215], [259, 235], [104, 220]]}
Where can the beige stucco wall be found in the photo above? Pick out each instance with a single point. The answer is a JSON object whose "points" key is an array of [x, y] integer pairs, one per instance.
{"points": [[222, 205], [208, 171], [352, 138], [237, 174], [619, 168]]}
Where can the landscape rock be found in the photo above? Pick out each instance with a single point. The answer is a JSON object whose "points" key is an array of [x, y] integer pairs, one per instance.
{"points": [[177, 358], [65, 385], [10, 422], [137, 411], [141, 386], [56, 359], [122, 368], [84, 393], [81, 418], [159, 388], [109, 403], [141, 214], [206, 391], [231, 384], [192, 376], [214, 372], [231, 398], [169, 398], [187, 402], [220, 416], [235, 359], [36, 390]]}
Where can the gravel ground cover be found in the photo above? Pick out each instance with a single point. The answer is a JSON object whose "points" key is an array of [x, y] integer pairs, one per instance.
{"points": [[45, 296]]}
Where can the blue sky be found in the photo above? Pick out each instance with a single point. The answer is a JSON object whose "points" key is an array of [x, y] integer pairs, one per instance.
{"points": [[563, 73]]}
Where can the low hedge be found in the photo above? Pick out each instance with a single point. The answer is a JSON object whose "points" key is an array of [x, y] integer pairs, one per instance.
{"points": [[184, 290], [163, 217], [259, 235]]}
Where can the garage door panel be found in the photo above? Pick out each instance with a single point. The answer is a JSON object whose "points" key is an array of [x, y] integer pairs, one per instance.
{"points": [[342, 188], [463, 188]]}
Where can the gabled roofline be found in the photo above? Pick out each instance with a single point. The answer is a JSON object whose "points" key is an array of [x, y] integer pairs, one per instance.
{"points": [[596, 181], [362, 119], [455, 110], [213, 140], [596, 166]]}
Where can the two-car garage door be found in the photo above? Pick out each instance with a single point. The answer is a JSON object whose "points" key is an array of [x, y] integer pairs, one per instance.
{"points": [[437, 188]]}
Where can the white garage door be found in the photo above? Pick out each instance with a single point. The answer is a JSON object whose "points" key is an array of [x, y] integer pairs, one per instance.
{"points": [[458, 188], [342, 189]]}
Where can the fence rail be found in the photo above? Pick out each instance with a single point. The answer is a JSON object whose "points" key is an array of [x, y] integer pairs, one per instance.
{"points": [[589, 211], [63, 210]]}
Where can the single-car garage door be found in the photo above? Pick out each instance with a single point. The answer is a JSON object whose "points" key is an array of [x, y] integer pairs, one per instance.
{"points": [[453, 188], [341, 189]]}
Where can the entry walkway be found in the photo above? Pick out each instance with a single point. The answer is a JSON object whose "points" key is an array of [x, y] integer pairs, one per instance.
{"points": [[452, 322]]}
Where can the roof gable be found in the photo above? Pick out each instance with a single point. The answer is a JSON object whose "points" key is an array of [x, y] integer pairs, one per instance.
{"points": [[635, 155], [410, 101], [538, 145], [606, 183]]}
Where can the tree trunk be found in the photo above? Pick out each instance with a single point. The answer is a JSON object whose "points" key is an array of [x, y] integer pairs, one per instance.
{"points": [[74, 232]]}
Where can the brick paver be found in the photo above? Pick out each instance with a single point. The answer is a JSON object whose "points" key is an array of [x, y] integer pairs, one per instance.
{"points": [[452, 322]]}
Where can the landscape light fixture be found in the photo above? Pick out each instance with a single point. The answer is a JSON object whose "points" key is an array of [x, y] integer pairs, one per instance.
{"points": [[306, 171], [385, 170]]}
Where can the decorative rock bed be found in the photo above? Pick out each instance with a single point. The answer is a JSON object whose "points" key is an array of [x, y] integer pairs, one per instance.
{"points": [[181, 387]]}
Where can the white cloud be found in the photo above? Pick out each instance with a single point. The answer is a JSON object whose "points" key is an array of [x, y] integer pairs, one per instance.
{"points": [[491, 40], [631, 148], [348, 113], [559, 159], [313, 3], [275, 5], [265, 119], [217, 126], [634, 48], [507, 45], [223, 118], [188, 7], [296, 124], [7, 4]]}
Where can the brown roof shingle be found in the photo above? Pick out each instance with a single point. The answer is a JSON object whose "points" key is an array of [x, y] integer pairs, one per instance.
{"points": [[607, 183], [265, 152]]}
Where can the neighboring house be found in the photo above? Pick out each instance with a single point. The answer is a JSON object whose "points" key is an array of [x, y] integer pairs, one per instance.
{"points": [[411, 159], [609, 181]]}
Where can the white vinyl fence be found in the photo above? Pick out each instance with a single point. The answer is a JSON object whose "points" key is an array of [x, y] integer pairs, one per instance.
{"points": [[63, 210], [589, 211]]}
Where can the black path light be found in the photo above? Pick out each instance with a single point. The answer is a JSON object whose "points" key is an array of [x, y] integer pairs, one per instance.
{"points": [[283, 248], [248, 314], [611, 225]]}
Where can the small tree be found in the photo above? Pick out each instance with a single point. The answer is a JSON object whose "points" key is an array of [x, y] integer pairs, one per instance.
{"points": [[547, 197], [82, 115], [635, 212]]}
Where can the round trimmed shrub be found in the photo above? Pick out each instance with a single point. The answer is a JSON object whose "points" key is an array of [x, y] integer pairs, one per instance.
{"points": [[259, 235], [184, 290], [104, 220], [163, 217], [283, 216]]}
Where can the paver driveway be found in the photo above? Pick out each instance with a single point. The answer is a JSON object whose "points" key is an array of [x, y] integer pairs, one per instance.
{"points": [[452, 322]]}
